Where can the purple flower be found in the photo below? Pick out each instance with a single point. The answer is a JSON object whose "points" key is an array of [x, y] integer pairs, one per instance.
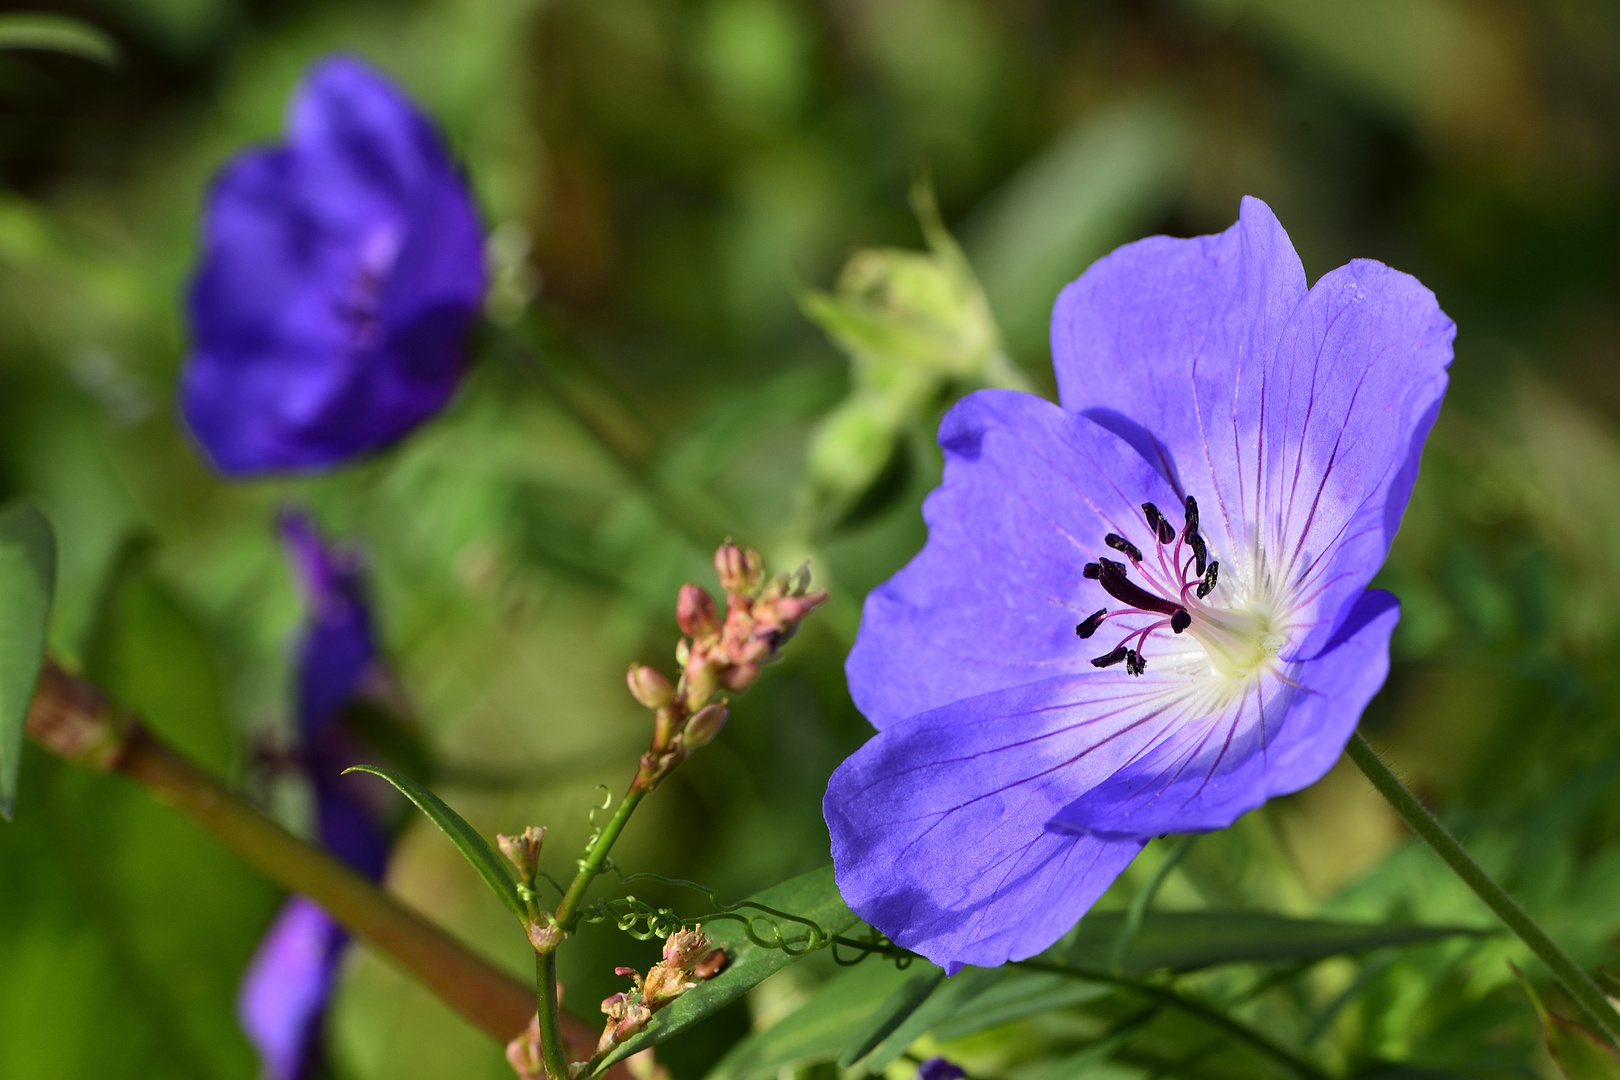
{"points": [[938, 1068], [340, 272], [1229, 465], [282, 1004]]}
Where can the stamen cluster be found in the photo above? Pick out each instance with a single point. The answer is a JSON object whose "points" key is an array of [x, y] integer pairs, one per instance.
{"points": [[1186, 551]]}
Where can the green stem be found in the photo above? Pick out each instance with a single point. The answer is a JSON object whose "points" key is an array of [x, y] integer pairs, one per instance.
{"points": [[551, 1036], [564, 918], [1169, 998], [595, 859], [1575, 981]]}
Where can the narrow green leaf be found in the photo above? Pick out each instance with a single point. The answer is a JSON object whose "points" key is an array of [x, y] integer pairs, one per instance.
{"points": [[1188, 940], [812, 896], [27, 579], [473, 847], [816, 1031], [894, 1011], [962, 988], [57, 33], [1019, 995]]}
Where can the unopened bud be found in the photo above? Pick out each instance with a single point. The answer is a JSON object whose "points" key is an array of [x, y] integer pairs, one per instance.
{"points": [[702, 728], [740, 571], [648, 686], [710, 966], [695, 611], [702, 680], [523, 851], [523, 1053], [740, 677]]}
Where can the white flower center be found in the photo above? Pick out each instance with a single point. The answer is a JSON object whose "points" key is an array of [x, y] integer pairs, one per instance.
{"points": [[1230, 626]]}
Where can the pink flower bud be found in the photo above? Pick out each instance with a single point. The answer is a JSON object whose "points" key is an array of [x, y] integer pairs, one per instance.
{"points": [[711, 965], [740, 571], [648, 686], [702, 728], [695, 612], [523, 851], [741, 677], [702, 680]]}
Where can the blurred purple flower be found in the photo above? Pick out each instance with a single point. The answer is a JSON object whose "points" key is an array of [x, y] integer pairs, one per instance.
{"points": [[938, 1068], [341, 270], [1229, 465], [283, 998]]}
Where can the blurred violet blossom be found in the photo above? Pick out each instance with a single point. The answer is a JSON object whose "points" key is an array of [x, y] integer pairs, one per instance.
{"points": [[938, 1068], [283, 998], [341, 270], [1229, 465]]}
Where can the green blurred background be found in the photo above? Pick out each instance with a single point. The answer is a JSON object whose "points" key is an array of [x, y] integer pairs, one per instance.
{"points": [[665, 181]]}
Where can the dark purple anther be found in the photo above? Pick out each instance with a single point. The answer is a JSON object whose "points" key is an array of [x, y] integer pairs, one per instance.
{"points": [[341, 270], [1123, 546], [1113, 580], [1092, 621]]}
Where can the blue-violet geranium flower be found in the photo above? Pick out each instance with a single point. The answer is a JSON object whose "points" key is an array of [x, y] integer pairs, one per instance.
{"points": [[1229, 465], [282, 1004], [340, 272]]}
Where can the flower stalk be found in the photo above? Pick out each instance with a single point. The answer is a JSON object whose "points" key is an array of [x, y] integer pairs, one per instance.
{"points": [[1570, 975], [717, 654]]}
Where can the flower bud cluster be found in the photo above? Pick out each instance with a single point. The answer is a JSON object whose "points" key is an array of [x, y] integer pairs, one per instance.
{"points": [[718, 653], [689, 958]]}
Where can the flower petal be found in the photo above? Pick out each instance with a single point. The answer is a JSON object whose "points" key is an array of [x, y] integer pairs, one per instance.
{"points": [[283, 998], [340, 274], [1354, 388], [1160, 340], [1275, 740], [993, 599], [1295, 419], [938, 823]]}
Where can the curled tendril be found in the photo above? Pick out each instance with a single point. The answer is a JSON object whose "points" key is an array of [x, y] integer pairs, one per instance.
{"points": [[635, 917], [764, 926], [596, 830], [873, 944]]}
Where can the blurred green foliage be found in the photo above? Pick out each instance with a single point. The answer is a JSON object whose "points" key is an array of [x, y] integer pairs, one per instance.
{"points": [[661, 178]]}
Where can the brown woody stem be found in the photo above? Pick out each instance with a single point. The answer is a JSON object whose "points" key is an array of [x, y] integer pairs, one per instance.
{"points": [[72, 719]]}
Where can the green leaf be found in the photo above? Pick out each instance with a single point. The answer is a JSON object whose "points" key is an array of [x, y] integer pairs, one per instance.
{"points": [[1188, 940], [56, 33], [1019, 995], [27, 579], [894, 1011], [812, 896], [965, 987], [474, 848], [1580, 1054], [817, 1030]]}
